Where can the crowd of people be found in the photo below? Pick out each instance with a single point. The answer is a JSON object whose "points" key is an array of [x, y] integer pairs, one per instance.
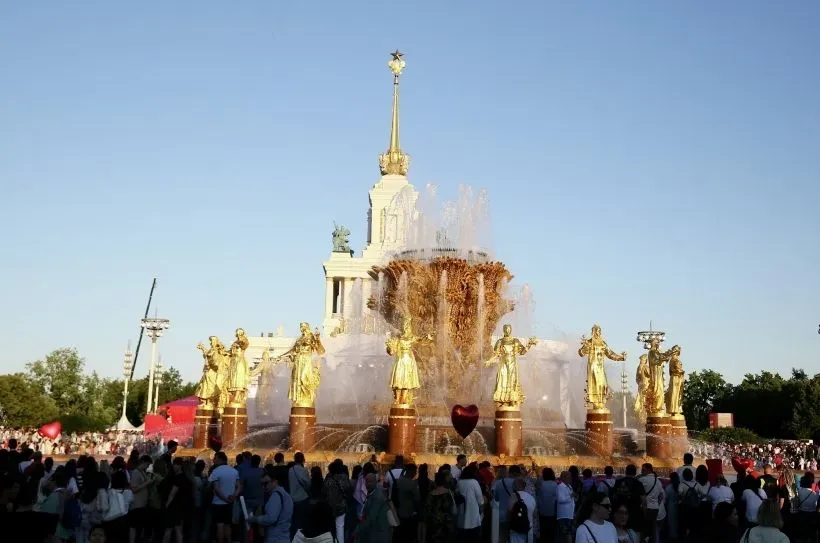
{"points": [[111, 443], [799, 455], [172, 498]]}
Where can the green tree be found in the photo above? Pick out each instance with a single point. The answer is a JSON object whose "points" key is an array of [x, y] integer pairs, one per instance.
{"points": [[60, 376], [22, 404], [701, 392]]}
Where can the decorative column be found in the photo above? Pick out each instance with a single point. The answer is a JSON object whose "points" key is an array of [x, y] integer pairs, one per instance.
{"points": [[302, 428], [678, 436], [206, 426], [598, 426], [328, 297], [234, 423], [509, 432], [401, 430], [127, 369], [657, 436]]}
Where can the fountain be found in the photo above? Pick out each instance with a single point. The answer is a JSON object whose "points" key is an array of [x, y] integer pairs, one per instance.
{"points": [[434, 265]]}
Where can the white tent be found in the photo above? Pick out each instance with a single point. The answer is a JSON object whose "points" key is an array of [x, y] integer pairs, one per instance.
{"points": [[123, 425]]}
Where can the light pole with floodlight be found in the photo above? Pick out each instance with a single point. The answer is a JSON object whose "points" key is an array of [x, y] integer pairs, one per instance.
{"points": [[155, 327], [158, 373], [127, 364]]}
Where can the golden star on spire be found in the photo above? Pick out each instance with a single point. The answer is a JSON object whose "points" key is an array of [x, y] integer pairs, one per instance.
{"points": [[397, 55]]}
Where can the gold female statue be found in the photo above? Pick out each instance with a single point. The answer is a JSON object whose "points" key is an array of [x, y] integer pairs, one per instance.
{"points": [[674, 394], [304, 376], [596, 350], [642, 378], [508, 393], [655, 395], [210, 385], [404, 378], [238, 370]]}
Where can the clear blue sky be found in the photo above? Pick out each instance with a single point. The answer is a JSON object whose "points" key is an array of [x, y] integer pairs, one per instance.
{"points": [[644, 160]]}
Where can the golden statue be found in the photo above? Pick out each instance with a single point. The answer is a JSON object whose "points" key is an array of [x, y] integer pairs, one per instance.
{"points": [[238, 371], [508, 393], [655, 395], [674, 393], [210, 386], [304, 376], [404, 378], [596, 350], [642, 378]]}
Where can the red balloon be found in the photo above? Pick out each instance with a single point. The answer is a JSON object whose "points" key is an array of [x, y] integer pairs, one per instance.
{"points": [[215, 443], [464, 419], [52, 430], [742, 464]]}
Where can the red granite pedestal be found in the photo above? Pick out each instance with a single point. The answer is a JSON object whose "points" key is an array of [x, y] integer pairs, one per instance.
{"points": [[678, 436], [234, 426], [401, 430], [599, 432], [302, 428], [657, 436], [206, 426], [509, 433]]}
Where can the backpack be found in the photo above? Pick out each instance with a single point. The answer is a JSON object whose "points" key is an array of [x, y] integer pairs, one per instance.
{"points": [[72, 514], [519, 516], [691, 499]]}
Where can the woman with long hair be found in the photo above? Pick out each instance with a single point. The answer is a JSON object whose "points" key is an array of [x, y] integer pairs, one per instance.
{"points": [[320, 525], [441, 511], [725, 524], [768, 527], [620, 518]]}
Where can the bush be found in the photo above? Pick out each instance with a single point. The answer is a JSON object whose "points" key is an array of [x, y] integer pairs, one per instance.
{"points": [[729, 435], [81, 423]]}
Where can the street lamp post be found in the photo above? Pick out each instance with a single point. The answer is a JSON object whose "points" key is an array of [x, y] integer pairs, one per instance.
{"points": [[624, 389], [158, 372], [127, 364], [155, 327]]}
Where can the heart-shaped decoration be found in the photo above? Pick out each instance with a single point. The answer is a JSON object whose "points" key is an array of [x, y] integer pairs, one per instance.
{"points": [[464, 419], [742, 464], [52, 430]]}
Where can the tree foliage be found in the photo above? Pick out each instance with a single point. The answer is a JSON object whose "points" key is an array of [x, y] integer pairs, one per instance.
{"points": [[729, 435], [766, 403], [57, 387]]}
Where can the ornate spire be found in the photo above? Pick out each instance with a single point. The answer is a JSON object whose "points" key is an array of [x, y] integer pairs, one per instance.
{"points": [[394, 162]]}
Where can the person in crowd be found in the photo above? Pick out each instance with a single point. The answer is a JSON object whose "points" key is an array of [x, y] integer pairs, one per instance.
{"points": [[425, 486], [299, 481], [606, 484], [565, 508], [471, 505], [725, 524], [335, 490], [374, 527], [320, 525], [620, 518], [406, 499], [440, 511], [593, 520], [753, 498], [139, 516], [720, 493], [768, 527], [671, 525], [176, 495], [805, 520], [504, 488], [224, 481], [461, 463], [117, 528], [688, 461], [652, 500], [630, 490], [521, 502], [547, 504], [278, 510]]}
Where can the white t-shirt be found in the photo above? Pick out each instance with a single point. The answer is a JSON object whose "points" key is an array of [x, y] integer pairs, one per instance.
{"points": [[753, 501], [604, 533], [653, 490], [224, 478], [469, 514], [455, 471], [720, 494], [566, 503]]}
